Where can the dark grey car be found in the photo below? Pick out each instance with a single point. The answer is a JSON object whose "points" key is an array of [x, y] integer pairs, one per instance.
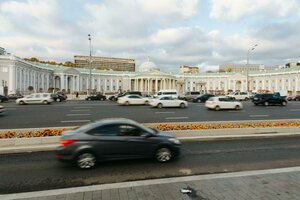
{"points": [[111, 139]]}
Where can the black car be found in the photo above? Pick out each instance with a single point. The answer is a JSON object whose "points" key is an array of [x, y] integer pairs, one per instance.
{"points": [[111, 139], [15, 96], [202, 98], [58, 97], [269, 99], [98, 97], [3, 98]]}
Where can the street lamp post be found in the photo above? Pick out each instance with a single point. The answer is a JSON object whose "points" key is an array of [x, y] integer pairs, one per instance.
{"points": [[247, 69], [90, 65]]}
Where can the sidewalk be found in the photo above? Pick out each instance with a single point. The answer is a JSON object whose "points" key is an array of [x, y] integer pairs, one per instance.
{"points": [[272, 184]]}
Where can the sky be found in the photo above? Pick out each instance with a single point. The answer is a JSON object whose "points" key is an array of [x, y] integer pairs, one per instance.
{"points": [[202, 33]]}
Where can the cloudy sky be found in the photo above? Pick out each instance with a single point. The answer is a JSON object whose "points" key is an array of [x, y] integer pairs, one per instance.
{"points": [[203, 33]]}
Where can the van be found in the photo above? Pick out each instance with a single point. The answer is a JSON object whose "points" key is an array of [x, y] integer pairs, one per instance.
{"points": [[189, 95], [172, 93]]}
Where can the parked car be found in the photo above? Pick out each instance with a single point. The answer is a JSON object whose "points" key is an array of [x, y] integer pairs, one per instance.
{"points": [[15, 96], [166, 93], [58, 97], [187, 96], [293, 98], [36, 98], [1, 109], [3, 98], [133, 99], [111, 139], [98, 97], [168, 101], [223, 102], [202, 98], [269, 99]]}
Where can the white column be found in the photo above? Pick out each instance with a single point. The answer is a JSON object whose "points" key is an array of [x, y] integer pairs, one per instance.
{"points": [[156, 85], [297, 83]]}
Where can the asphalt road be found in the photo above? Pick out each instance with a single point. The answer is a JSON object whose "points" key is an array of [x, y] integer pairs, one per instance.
{"points": [[74, 113], [41, 171]]}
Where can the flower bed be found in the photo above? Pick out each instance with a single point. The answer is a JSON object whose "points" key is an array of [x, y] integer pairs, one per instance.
{"points": [[162, 127]]}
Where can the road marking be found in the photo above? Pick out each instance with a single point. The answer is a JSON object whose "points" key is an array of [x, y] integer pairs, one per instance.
{"points": [[176, 117], [236, 111], [259, 115], [163, 112], [81, 107], [79, 110], [77, 114], [75, 121], [10, 109], [294, 109]]}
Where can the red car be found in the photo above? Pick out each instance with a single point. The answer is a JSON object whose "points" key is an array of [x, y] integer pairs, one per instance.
{"points": [[294, 98]]}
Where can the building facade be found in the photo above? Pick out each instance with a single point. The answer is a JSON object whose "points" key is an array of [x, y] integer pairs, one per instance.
{"points": [[183, 69], [231, 67], [17, 75], [104, 63]]}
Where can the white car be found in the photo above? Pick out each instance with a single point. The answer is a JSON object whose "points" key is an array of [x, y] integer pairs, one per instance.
{"points": [[133, 99], [168, 101], [223, 102], [1, 109], [36, 98]]}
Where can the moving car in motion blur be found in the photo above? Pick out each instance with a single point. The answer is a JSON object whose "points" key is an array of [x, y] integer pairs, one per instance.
{"points": [[3, 98], [269, 99], [36, 98], [168, 101], [293, 98], [113, 139], [1, 109], [58, 97], [15, 96], [223, 102], [98, 97], [133, 100], [202, 98]]}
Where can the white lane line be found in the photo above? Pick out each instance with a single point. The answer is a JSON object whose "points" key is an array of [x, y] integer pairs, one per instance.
{"points": [[77, 114], [236, 111], [176, 117], [163, 112], [259, 115], [294, 110], [75, 121], [80, 110]]}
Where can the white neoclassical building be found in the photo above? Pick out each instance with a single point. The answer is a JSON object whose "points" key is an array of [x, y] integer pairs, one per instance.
{"points": [[18, 75]]}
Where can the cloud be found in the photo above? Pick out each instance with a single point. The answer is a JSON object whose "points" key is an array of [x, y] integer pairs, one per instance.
{"points": [[234, 10]]}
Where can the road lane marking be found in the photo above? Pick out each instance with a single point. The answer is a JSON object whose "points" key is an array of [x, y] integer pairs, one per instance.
{"points": [[163, 112], [294, 110], [77, 114], [75, 121], [176, 117], [236, 111], [80, 110], [259, 115], [81, 107]]}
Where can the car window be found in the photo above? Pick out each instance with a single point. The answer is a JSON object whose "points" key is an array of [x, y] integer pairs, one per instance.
{"points": [[223, 99], [130, 130], [105, 130], [37, 96], [45, 95]]}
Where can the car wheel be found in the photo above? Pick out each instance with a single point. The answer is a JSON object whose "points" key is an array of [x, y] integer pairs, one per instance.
{"points": [[1, 100], [159, 105], [256, 104], [266, 103], [58, 100], [182, 105], [21, 103], [89, 99], [237, 107], [217, 108], [127, 103], [199, 100], [146, 102], [45, 102], [163, 154], [86, 160], [246, 99], [283, 103], [297, 100]]}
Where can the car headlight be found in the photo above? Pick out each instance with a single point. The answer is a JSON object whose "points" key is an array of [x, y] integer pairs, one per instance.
{"points": [[174, 140]]}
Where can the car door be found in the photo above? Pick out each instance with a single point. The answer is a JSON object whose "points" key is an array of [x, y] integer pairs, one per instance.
{"points": [[223, 102], [31, 99]]}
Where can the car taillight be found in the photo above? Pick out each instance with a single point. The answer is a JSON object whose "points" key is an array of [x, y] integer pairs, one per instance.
{"points": [[66, 142]]}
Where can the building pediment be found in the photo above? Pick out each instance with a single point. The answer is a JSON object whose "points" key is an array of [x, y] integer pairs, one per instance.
{"points": [[71, 71]]}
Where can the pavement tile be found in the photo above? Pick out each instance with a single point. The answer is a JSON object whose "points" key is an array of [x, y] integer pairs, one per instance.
{"points": [[105, 194], [123, 194], [97, 195]]}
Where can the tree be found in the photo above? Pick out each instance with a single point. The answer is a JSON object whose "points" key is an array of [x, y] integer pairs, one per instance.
{"points": [[30, 88]]}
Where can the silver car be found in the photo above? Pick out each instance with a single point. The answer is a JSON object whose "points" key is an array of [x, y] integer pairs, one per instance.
{"points": [[36, 98], [111, 139]]}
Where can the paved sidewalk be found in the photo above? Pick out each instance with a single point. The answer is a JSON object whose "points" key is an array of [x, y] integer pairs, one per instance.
{"points": [[272, 184]]}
